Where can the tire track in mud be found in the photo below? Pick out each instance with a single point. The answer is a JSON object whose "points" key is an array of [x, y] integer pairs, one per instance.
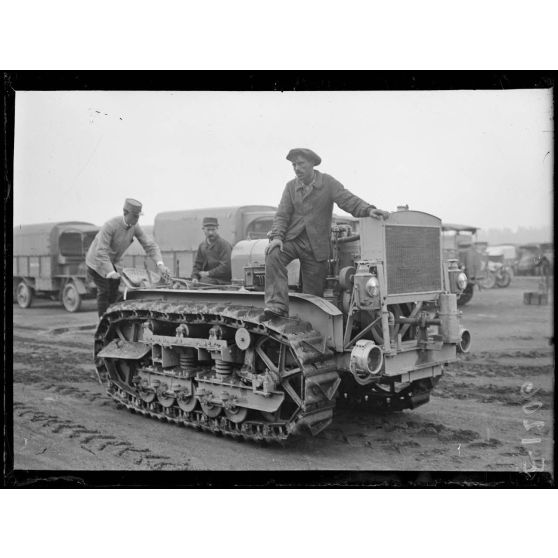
{"points": [[63, 372], [81, 393], [395, 435], [489, 393], [510, 364], [507, 369], [53, 344], [94, 441], [425, 440], [34, 363]]}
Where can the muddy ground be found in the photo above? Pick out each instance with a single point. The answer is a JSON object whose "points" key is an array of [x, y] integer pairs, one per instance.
{"points": [[479, 417]]}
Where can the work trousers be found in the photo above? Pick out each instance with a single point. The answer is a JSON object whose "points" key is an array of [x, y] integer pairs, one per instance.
{"points": [[313, 273], [107, 290]]}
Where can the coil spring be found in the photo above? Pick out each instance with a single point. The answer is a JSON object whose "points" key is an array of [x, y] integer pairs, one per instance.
{"points": [[188, 360], [223, 368]]}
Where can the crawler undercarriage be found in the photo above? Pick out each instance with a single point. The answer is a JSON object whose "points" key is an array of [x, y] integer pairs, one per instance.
{"points": [[216, 368]]}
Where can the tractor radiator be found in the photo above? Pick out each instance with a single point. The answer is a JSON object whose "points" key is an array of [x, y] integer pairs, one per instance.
{"points": [[412, 259]]}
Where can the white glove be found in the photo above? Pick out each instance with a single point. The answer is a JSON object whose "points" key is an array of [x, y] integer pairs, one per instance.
{"points": [[273, 244], [379, 214], [113, 275]]}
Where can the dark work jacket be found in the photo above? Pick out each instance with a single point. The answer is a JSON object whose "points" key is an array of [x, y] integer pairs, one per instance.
{"points": [[214, 258], [313, 211]]}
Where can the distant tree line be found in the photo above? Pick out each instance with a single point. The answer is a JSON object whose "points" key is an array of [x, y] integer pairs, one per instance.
{"points": [[522, 235]]}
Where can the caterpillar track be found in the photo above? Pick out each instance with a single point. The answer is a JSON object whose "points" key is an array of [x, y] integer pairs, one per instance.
{"points": [[215, 367]]}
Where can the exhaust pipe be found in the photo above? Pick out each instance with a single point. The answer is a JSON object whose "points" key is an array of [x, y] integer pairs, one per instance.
{"points": [[464, 344], [366, 361]]}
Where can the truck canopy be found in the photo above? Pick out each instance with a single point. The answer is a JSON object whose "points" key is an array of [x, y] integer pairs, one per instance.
{"points": [[42, 239], [182, 230]]}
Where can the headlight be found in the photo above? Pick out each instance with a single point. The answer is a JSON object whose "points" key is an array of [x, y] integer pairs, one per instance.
{"points": [[462, 281], [373, 286]]}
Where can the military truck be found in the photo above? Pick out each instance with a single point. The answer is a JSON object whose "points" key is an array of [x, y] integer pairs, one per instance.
{"points": [[179, 233], [49, 262]]}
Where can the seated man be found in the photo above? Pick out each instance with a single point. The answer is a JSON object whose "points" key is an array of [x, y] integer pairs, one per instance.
{"points": [[213, 260]]}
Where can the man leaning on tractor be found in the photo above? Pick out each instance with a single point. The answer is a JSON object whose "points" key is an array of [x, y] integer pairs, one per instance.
{"points": [[108, 247], [302, 228]]}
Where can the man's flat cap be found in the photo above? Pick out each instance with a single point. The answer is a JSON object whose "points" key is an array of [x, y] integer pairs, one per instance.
{"points": [[133, 206], [210, 222], [308, 154]]}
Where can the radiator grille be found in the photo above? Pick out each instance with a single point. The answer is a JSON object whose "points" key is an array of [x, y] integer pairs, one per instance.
{"points": [[412, 259]]}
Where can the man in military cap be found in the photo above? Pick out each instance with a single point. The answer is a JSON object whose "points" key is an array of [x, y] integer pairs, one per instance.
{"points": [[108, 247], [302, 228], [213, 259]]}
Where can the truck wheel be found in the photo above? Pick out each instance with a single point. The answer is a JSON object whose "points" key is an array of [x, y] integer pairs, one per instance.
{"points": [[466, 295], [488, 280], [71, 299], [503, 279], [24, 295]]}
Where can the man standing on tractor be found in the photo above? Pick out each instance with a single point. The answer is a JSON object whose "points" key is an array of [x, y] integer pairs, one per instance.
{"points": [[108, 247], [213, 259], [302, 228]]}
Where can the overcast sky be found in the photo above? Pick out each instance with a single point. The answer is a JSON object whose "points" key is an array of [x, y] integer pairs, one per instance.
{"points": [[476, 157]]}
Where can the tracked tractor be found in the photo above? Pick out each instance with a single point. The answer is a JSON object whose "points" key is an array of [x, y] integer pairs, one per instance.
{"points": [[380, 336]]}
